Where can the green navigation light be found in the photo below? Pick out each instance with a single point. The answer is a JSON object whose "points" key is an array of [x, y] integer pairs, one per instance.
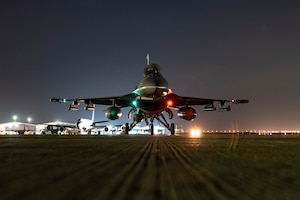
{"points": [[134, 103]]}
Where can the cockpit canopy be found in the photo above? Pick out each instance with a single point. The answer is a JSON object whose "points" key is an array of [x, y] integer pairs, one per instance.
{"points": [[152, 70]]}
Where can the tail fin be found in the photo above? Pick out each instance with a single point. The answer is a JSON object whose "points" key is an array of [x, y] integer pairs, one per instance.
{"points": [[148, 59]]}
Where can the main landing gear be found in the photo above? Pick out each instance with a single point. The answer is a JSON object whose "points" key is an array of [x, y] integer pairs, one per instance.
{"points": [[163, 121], [171, 128], [160, 118]]}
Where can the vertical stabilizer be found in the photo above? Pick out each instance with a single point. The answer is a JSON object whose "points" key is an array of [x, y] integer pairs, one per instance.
{"points": [[148, 59], [93, 115]]}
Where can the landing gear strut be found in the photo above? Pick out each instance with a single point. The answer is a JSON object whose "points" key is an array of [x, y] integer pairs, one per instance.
{"points": [[159, 117], [126, 129], [151, 129], [163, 121]]}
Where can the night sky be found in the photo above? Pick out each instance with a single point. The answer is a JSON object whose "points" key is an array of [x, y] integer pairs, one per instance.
{"points": [[209, 49]]}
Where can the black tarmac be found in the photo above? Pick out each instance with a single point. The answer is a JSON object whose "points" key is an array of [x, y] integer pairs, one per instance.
{"points": [[150, 167]]}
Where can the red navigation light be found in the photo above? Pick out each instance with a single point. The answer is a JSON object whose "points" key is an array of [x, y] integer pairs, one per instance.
{"points": [[169, 103]]}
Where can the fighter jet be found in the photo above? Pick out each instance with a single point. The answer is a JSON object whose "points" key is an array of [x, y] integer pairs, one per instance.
{"points": [[150, 100]]}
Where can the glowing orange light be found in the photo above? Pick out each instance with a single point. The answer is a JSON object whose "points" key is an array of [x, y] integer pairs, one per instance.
{"points": [[170, 103]]}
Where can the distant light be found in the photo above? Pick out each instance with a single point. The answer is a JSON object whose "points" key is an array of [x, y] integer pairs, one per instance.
{"points": [[29, 119], [195, 133], [15, 117]]}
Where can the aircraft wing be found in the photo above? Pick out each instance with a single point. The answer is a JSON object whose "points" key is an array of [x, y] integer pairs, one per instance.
{"points": [[121, 101], [178, 101]]}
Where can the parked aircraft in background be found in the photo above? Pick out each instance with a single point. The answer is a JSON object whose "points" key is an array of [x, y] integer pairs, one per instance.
{"points": [[86, 125], [150, 100], [60, 128]]}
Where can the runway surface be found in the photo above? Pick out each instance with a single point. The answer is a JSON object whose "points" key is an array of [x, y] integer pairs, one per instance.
{"points": [[150, 167]]}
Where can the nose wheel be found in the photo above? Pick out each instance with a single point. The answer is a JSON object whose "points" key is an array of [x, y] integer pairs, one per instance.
{"points": [[151, 129]]}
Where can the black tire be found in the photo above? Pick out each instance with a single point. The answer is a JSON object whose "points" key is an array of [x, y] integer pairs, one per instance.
{"points": [[172, 129], [126, 131], [151, 129]]}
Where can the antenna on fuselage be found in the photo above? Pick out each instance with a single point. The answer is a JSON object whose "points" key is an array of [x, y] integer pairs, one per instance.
{"points": [[148, 59]]}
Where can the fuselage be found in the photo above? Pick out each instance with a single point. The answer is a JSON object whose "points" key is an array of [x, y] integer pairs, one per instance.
{"points": [[152, 89]]}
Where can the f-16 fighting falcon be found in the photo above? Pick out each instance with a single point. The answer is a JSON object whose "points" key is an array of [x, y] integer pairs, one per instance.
{"points": [[150, 100]]}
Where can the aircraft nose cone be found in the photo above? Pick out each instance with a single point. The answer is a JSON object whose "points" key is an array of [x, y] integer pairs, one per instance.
{"points": [[155, 82], [153, 87]]}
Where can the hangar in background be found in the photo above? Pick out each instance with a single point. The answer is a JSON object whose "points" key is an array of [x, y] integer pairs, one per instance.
{"points": [[66, 128], [23, 128], [12, 128]]}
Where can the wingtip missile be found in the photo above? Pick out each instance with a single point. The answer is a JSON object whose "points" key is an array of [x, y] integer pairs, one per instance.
{"points": [[239, 101], [57, 100]]}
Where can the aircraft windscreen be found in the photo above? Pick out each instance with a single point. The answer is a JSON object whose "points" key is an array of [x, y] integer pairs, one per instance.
{"points": [[152, 70]]}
